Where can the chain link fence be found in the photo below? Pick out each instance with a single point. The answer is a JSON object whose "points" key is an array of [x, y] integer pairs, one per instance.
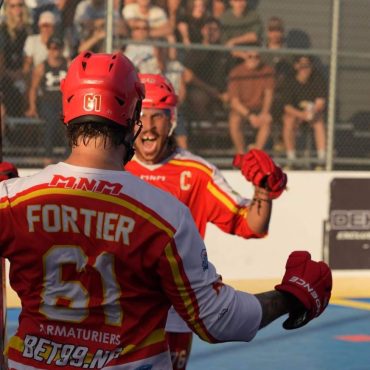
{"points": [[326, 38]]}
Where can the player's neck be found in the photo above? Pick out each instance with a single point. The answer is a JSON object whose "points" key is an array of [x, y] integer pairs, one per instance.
{"points": [[95, 155]]}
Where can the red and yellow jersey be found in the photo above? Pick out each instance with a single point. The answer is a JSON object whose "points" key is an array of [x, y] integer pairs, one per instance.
{"points": [[200, 186], [97, 257]]}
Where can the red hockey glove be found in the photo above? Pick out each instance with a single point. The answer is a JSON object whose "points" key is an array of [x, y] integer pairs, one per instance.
{"points": [[308, 281], [258, 168], [7, 171]]}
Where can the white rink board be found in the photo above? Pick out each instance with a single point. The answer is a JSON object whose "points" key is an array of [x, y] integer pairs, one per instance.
{"points": [[296, 224]]}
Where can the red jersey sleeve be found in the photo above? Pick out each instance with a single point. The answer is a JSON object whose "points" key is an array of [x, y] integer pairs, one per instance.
{"points": [[226, 208]]}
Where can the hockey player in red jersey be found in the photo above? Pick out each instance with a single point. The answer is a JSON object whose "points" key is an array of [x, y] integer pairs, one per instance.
{"points": [[7, 171], [98, 256], [199, 185]]}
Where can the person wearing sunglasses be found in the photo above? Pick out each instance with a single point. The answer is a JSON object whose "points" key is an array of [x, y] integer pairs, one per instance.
{"points": [[305, 96]]}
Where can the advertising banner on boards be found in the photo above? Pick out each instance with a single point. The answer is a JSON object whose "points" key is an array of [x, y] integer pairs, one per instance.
{"points": [[349, 223]]}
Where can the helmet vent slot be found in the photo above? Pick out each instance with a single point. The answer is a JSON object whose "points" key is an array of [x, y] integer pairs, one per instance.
{"points": [[84, 65], [70, 98], [111, 66], [120, 101]]}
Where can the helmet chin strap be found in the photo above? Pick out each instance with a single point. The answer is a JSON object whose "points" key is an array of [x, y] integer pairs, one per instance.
{"points": [[129, 140], [173, 122], [129, 144]]}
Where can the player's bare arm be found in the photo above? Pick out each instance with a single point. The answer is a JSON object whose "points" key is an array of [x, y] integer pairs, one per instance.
{"points": [[275, 304], [269, 181]]}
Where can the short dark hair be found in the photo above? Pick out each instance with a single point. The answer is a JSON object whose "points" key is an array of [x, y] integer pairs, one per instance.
{"points": [[54, 40], [209, 20], [275, 23], [112, 133], [297, 58]]}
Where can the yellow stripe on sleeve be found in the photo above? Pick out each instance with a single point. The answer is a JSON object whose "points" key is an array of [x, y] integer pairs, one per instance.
{"points": [[184, 293], [193, 164]]}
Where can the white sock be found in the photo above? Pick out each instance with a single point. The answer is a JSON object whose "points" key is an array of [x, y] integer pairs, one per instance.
{"points": [[291, 155], [321, 154]]}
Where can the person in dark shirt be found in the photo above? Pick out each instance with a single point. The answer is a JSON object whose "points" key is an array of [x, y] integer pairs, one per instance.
{"points": [[241, 25], [46, 79], [304, 96], [283, 66], [190, 24], [205, 74]]}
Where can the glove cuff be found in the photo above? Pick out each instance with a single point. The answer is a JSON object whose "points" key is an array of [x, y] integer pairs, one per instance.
{"points": [[297, 293], [268, 194], [238, 160], [275, 194]]}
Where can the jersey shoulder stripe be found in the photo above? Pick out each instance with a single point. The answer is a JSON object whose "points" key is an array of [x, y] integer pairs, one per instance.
{"points": [[120, 201], [192, 164], [188, 159], [223, 198]]}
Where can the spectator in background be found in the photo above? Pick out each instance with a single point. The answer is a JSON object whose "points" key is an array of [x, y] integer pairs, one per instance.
{"points": [[191, 23], [159, 24], [241, 26], [45, 100], [174, 71], [13, 34], [205, 74], [2, 113], [35, 50], [37, 7], [176, 10], [87, 11], [250, 88], [283, 66], [144, 57], [68, 9], [93, 36], [218, 7], [305, 96], [89, 16]]}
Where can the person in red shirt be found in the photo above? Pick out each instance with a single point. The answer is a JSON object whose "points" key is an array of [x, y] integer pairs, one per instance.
{"points": [[98, 256], [200, 186]]}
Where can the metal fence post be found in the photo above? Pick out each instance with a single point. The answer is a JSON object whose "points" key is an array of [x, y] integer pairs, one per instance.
{"points": [[109, 27], [333, 84]]}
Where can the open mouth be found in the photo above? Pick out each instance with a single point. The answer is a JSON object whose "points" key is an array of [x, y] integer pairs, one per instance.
{"points": [[149, 143]]}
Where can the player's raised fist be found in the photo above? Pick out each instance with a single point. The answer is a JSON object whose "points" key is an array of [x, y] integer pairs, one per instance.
{"points": [[310, 282], [7, 171], [258, 168]]}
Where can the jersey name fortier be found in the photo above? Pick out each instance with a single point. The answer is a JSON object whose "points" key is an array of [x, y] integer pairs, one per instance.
{"points": [[54, 218]]}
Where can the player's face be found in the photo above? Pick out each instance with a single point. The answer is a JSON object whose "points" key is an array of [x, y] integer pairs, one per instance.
{"points": [[151, 145]]}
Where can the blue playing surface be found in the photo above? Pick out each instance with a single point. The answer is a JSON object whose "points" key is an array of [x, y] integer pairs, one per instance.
{"points": [[313, 347]]}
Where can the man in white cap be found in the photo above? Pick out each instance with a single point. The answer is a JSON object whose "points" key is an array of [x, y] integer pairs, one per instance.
{"points": [[35, 49]]}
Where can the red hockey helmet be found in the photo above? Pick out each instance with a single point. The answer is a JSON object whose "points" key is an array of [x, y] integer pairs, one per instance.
{"points": [[7, 171], [159, 94], [104, 86]]}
